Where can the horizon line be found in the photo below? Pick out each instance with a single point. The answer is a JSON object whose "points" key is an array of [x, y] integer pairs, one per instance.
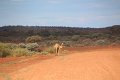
{"points": [[58, 26]]}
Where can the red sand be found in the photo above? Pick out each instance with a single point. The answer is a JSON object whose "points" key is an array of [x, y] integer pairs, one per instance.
{"points": [[85, 64]]}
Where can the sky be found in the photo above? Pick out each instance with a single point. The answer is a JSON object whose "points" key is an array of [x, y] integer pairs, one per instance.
{"points": [[72, 13]]}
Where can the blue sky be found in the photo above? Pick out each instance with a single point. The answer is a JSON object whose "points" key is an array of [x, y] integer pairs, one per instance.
{"points": [[78, 13]]}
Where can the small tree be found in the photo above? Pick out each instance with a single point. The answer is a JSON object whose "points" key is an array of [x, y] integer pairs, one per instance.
{"points": [[32, 46], [33, 39], [75, 37]]}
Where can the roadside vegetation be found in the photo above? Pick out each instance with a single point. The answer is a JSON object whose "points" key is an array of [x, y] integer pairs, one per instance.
{"points": [[20, 41], [22, 49]]}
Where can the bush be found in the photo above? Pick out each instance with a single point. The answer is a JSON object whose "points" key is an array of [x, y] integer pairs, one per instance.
{"points": [[11, 45], [20, 52], [38, 49], [67, 43], [117, 39], [44, 52], [32, 46], [51, 37], [102, 42], [10, 49], [3, 45], [48, 43], [86, 42], [50, 50], [98, 36], [33, 39], [75, 37], [4, 50], [22, 45]]}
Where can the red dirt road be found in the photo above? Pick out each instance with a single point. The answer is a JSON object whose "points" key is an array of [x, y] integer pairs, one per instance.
{"points": [[98, 64]]}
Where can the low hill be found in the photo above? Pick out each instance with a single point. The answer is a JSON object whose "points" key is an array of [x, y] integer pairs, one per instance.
{"points": [[20, 33]]}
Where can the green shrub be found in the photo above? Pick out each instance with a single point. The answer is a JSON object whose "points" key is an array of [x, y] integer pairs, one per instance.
{"points": [[51, 37], [32, 46], [102, 42], [3, 45], [4, 52], [86, 42], [75, 37], [20, 52], [98, 35], [8, 45], [22, 45], [95, 35], [11, 45], [33, 39], [44, 53], [67, 43], [50, 50], [10, 49], [116, 40]]}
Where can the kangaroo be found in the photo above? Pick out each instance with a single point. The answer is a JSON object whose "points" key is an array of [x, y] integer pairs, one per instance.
{"points": [[58, 47]]}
